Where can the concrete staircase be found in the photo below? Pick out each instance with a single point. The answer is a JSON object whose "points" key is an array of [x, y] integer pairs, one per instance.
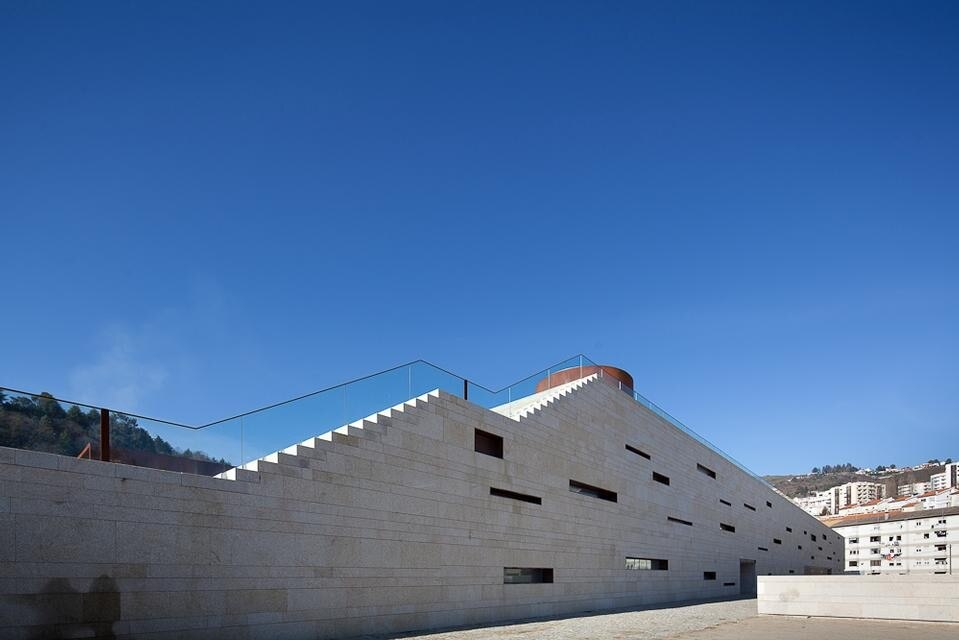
{"points": [[299, 459], [531, 405]]}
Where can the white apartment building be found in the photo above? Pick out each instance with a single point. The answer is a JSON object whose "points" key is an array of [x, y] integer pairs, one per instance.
{"points": [[901, 543], [948, 479], [843, 496], [914, 489]]}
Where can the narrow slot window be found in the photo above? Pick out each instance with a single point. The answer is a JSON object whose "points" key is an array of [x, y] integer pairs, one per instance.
{"points": [[704, 469], [647, 564], [524, 575], [639, 452], [679, 521], [658, 477], [726, 502], [709, 575], [594, 492], [503, 493], [777, 541], [729, 584], [488, 443], [762, 548], [749, 506], [727, 527]]}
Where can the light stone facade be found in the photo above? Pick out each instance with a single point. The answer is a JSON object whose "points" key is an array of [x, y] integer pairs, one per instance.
{"points": [[893, 597], [388, 525]]}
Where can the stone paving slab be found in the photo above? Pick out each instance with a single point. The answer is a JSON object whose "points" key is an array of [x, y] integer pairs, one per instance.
{"points": [[731, 620]]}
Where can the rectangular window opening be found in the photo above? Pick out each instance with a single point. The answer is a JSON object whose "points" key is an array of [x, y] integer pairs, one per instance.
{"points": [[726, 502], [678, 521], [777, 541], [639, 452], [769, 504], [488, 443], [709, 472], [709, 575], [749, 506], [762, 548], [647, 564], [729, 584], [524, 575], [658, 477], [727, 527], [789, 529], [594, 492], [503, 493]]}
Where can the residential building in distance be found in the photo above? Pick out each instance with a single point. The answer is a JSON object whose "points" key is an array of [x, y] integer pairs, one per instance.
{"points": [[831, 501], [907, 542]]}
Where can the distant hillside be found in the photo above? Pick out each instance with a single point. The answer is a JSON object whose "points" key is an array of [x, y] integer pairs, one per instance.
{"points": [[40, 423], [803, 485], [800, 486]]}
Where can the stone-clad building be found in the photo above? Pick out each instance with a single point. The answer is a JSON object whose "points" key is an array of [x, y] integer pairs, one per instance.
{"points": [[435, 513]]}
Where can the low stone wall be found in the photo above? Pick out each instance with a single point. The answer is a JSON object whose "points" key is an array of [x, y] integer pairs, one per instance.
{"points": [[930, 598]]}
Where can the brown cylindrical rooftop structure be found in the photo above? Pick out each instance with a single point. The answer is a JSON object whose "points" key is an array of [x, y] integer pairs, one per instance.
{"points": [[556, 378]]}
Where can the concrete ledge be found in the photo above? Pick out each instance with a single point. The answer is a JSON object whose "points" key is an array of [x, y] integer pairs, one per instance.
{"points": [[928, 598]]}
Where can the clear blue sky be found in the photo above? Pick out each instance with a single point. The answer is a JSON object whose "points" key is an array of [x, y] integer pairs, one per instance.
{"points": [[753, 207]]}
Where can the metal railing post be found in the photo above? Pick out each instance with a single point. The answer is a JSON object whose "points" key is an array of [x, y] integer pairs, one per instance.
{"points": [[105, 435]]}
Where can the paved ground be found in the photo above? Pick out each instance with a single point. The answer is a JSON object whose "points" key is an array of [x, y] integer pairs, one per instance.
{"points": [[735, 620]]}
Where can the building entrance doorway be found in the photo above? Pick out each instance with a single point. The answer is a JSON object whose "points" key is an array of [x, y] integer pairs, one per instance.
{"points": [[747, 578]]}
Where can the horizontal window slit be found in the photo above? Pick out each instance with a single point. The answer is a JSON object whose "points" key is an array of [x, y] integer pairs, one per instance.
{"points": [[679, 521], [658, 477], [638, 452], [647, 564], [594, 492], [704, 469], [727, 527], [524, 575], [503, 493]]}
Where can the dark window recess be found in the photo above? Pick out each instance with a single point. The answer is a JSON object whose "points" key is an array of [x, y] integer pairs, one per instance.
{"points": [[503, 493], [799, 546], [589, 490], [727, 527], [769, 504], [488, 443], [658, 477], [678, 521], [813, 536], [792, 571], [762, 548], [729, 584], [647, 564], [820, 548], [638, 452], [709, 472], [777, 541], [789, 529], [726, 502], [523, 575], [709, 575], [749, 506]]}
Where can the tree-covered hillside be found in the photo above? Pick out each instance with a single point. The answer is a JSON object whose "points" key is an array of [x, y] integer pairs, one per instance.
{"points": [[40, 423]]}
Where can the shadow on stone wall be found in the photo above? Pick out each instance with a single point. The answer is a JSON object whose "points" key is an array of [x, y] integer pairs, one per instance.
{"points": [[64, 612]]}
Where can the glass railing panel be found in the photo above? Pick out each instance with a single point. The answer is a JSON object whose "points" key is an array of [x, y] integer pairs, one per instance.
{"points": [[424, 378], [150, 443], [486, 398], [276, 428], [367, 396], [41, 423]]}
